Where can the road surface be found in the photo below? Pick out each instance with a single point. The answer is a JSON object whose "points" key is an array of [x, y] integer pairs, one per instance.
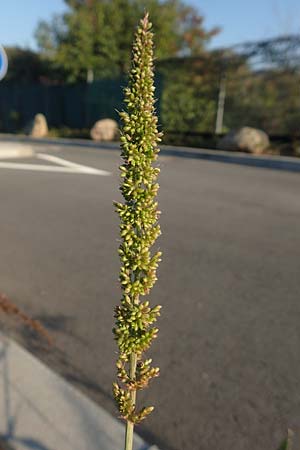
{"points": [[229, 284]]}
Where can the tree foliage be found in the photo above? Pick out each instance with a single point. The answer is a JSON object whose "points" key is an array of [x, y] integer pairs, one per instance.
{"points": [[97, 34], [282, 52], [267, 99], [263, 87], [189, 93], [26, 67]]}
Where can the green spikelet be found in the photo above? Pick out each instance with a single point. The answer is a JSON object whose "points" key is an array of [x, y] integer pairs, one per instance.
{"points": [[139, 229]]}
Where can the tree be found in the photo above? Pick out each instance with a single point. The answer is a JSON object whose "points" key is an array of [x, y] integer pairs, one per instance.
{"points": [[26, 66], [263, 91], [97, 34], [189, 93], [266, 99]]}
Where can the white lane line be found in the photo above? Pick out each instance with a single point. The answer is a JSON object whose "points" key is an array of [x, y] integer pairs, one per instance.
{"points": [[65, 166], [9, 150], [72, 165], [41, 168], [57, 160], [14, 154]]}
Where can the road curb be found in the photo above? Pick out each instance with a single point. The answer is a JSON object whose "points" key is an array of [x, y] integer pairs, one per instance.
{"points": [[41, 410], [285, 163]]}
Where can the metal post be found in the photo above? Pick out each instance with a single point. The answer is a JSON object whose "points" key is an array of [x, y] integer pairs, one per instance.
{"points": [[221, 105], [90, 76]]}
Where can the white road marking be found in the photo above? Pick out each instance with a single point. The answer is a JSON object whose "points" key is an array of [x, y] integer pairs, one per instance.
{"points": [[60, 161], [72, 165], [12, 150], [64, 166], [14, 154]]}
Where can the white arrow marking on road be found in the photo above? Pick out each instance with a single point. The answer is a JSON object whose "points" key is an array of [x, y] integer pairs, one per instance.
{"points": [[72, 165], [65, 166]]}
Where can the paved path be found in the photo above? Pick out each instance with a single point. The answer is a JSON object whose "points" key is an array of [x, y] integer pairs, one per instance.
{"points": [[41, 411], [229, 283]]}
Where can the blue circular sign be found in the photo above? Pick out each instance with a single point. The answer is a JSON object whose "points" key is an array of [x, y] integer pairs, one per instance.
{"points": [[3, 63]]}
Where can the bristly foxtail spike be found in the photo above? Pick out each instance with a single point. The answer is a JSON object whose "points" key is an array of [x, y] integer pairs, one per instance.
{"points": [[139, 229]]}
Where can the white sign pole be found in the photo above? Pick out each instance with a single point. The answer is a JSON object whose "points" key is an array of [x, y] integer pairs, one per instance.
{"points": [[3, 63]]}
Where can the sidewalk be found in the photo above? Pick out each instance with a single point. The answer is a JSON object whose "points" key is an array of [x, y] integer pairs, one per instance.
{"points": [[41, 411]]}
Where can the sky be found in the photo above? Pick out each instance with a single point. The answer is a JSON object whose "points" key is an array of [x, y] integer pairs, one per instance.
{"points": [[240, 20]]}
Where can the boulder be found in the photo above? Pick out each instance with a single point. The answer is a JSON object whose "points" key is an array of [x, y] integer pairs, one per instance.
{"points": [[104, 130], [245, 139], [38, 127]]}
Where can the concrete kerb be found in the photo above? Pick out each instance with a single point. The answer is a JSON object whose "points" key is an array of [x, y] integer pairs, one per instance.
{"points": [[285, 163], [41, 410]]}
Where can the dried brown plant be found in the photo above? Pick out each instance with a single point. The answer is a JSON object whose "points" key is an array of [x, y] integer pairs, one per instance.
{"points": [[9, 308]]}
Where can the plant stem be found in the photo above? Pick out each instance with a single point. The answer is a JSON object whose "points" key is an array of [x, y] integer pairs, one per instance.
{"points": [[129, 424]]}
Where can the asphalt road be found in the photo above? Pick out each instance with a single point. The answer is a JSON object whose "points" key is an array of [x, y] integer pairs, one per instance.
{"points": [[229, 282]]}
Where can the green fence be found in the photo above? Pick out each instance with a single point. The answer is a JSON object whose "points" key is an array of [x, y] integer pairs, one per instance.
{"points": [[75, 106], [188, 92]]}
